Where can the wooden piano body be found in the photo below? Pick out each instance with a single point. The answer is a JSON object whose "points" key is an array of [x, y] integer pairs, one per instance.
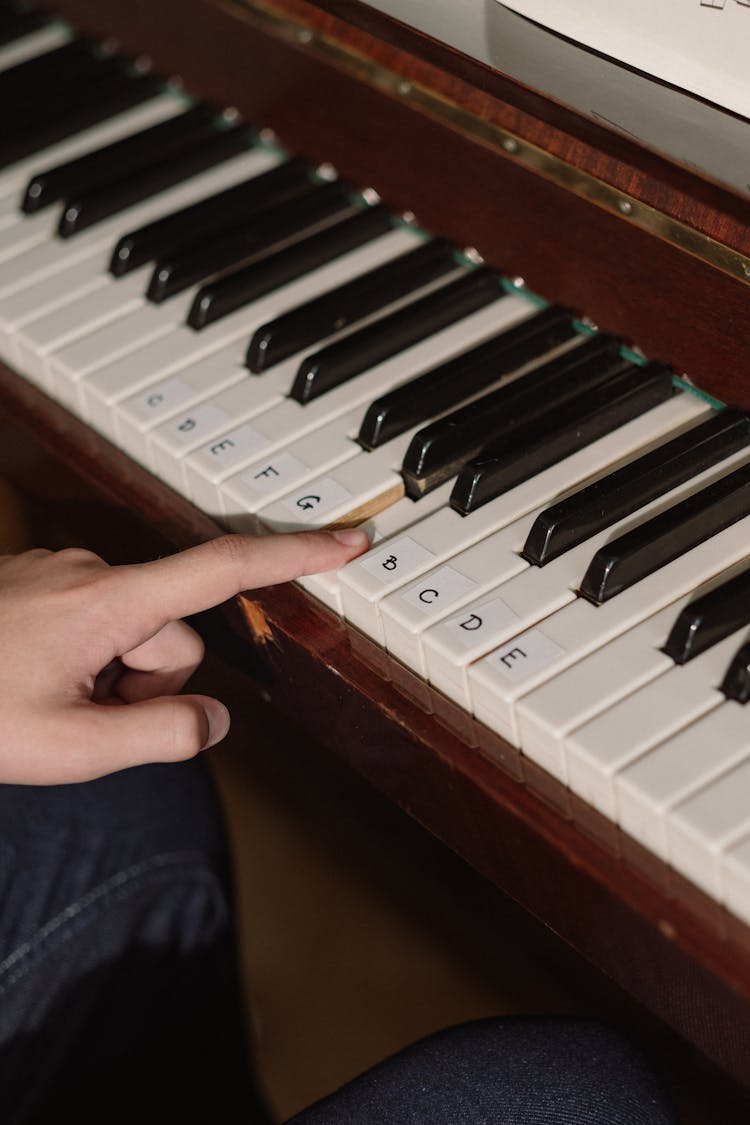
{"points": [[644, 248]]}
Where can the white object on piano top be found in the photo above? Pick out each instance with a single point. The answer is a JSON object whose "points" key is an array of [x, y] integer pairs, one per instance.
{"points": [[700, 47]]}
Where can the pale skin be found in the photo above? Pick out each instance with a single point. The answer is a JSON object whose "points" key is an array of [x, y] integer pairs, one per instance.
{"points": [[93, 658]]}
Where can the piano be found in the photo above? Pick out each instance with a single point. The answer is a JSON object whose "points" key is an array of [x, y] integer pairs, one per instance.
{"points": [[522, 259]]}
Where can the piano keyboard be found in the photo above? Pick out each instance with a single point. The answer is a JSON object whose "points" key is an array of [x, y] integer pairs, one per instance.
{"points": [[560, 530]]}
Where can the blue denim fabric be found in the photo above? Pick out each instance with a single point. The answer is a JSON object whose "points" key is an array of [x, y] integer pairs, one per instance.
{"points": [[119, 998], [513, 1071]]}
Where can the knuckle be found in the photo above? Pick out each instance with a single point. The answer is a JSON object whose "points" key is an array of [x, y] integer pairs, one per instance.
{"points": [[230, 550], [191, 646], [81, 557]]}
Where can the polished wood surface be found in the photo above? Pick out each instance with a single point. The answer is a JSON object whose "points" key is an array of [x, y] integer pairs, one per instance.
{"points": [[663, 943]]}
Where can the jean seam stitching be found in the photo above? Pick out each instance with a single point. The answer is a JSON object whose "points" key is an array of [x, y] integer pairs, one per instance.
{"points": [[76, 915]]}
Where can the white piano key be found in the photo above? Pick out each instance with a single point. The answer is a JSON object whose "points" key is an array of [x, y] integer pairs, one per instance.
{"points": [[735, 876], [206, 468], [154, 331], [69, 365], [676, 695], [701, 828], [107, 387], [28, 232], [670, 773], [365, 584], [577, 695], [96, 307], [39, 42], [580, 628], [96, 244], [35, 301]]}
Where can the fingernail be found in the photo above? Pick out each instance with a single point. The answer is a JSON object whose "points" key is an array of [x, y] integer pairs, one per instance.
{"points": [[352, 537], [218, 723]]}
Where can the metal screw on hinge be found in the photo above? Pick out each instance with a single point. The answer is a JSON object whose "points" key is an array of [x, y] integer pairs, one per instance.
{"points": [[625, 206], [510, 144]]}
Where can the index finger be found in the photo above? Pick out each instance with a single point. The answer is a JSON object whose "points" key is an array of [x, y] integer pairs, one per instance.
{"points": [[207, 575]]}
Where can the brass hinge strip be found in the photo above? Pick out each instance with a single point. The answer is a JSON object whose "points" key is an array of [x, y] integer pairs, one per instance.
{"points": [[511, 146]]}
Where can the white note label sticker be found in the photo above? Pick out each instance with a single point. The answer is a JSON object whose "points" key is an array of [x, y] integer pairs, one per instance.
{"points": [[524, 656], [438, 590], [160, 398], [317, 498], [490, 617], [266, 477], [232, 448], [397, 561], [189, 428]]}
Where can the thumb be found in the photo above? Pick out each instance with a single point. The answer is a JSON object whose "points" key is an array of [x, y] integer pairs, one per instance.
{"points": [[164, 729]]}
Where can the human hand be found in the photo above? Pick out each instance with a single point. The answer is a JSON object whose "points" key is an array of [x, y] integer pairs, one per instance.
{"points": [[92, 656]]}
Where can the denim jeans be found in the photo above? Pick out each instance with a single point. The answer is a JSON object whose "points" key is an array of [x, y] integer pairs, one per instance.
{"points": [[513, 1071], [120, 999], [119, 995]]}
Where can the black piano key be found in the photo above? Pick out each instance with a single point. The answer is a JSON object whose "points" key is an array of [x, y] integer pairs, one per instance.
{"points": [[392, 333], [231, 291], [348, 303], [17, 22], [451, 383], [666, 536], [624, 491], [120, 159], [96, 89], [38, 77], [736, 682], [440, 449], [267, 230], [710, 618], [210, 216], [101, 203], [526, 450]]}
